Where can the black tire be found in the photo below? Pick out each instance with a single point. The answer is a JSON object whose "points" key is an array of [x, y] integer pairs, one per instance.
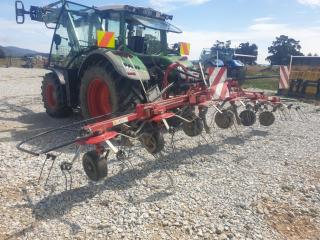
{"points": [[193, 128], [90, 75], [248, 118], [54, 97], [95, 167], [266, 118], [153, 141], [225, 119]]}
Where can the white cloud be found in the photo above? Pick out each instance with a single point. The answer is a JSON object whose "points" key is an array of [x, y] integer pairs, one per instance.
{"points": [[261, 34], [267, 27], [169, 5], [263, 19], [312, 3]]}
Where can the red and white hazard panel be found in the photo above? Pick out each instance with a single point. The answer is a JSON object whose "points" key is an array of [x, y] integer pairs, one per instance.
{"points": [[218, 84], [284, 77]]}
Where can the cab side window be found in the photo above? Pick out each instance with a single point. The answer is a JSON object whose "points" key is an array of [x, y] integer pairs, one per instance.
{"points": [[112, 24]]}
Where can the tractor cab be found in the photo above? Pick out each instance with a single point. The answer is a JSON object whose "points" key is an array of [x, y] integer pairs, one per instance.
{"points": [[105, 59], [139, 31]]}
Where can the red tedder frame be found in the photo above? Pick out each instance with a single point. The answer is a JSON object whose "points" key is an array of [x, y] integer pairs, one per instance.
{"points": [[198, 95]]}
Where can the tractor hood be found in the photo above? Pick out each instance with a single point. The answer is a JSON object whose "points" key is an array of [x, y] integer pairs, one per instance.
{"points": [[165, 61], [235, 63], [182, 60]]}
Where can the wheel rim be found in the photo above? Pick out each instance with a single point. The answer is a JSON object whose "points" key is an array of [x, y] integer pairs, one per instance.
{"points": [[224, 120], [98, 98], [90, 170], [266, 118], [150, 142], [51, 96], [248, 118]]}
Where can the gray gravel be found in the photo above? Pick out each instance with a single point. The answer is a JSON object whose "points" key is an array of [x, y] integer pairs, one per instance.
{"points": [[257, 183]]}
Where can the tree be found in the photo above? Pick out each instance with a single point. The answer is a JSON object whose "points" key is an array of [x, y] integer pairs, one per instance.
{"points": [[248, 49], [221, 46], [2, 53], [281, 50]]}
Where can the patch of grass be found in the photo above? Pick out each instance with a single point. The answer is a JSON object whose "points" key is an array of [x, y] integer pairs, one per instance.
{"points": [[264, 83]]}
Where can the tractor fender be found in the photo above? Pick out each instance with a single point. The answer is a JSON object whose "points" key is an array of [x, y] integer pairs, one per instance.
{"points": [[125, 64], [59, 74]]}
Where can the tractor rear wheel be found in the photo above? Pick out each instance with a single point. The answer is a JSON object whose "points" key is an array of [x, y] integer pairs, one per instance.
{"points": [[54, 97], [98, 93]]}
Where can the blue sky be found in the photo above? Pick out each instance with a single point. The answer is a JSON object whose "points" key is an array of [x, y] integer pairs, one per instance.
{"points": [[203, 22]]}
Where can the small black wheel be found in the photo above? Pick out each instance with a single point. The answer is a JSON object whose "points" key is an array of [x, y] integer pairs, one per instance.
{"points": [[54, 97], [174, 122], [247, 117], [94, 166], [266, 118], [153, 141], [193, 128], [225, 119]]}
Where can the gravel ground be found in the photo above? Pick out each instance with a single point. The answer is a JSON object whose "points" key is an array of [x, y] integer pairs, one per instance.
{"points": [[257, 183]]}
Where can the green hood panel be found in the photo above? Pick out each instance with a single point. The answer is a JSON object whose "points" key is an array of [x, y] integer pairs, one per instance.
{"points": [[127, 65], [182, 60], [164, 61]]}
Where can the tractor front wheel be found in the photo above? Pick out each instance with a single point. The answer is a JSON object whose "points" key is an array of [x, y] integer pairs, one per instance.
{"points": [[54, 97], [98, 94]]}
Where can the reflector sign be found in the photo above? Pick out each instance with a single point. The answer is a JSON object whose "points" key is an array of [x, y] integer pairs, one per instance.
{"points": [[284, 77], [105, 39], [184, 48], [218, 84]]}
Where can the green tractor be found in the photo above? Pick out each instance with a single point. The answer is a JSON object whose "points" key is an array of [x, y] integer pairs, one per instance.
{"points": [[105, 60]]}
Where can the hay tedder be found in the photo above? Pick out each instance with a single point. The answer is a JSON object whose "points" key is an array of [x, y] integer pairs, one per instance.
{"points": [[114, 64]]}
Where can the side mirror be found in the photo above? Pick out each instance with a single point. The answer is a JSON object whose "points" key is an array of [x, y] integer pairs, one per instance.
{"points": [[20, 12], [57, 39]]}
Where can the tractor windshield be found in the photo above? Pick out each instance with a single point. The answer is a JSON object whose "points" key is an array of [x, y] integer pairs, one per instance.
{"points": [[147, 35], [156, 24]]}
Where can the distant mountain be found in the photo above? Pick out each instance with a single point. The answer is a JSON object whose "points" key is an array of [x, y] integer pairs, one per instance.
{"points": [[20, 52]]}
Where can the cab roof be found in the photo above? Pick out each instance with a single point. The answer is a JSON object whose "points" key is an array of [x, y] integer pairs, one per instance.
{"points": [[147, 12]]}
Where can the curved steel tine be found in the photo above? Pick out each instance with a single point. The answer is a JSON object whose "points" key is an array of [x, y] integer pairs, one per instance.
{"points": [[44, 163], [65, 180], [204, 138], [70, 180], [53, 161], [172, 143], [298, 109]]}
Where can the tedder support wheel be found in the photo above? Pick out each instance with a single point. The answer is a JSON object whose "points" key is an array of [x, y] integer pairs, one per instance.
{"points": [[54, 97], [94, 166], [247, 117], [225, 119], [193, 128], [153, 141], [98, 93], [266, 118]]}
